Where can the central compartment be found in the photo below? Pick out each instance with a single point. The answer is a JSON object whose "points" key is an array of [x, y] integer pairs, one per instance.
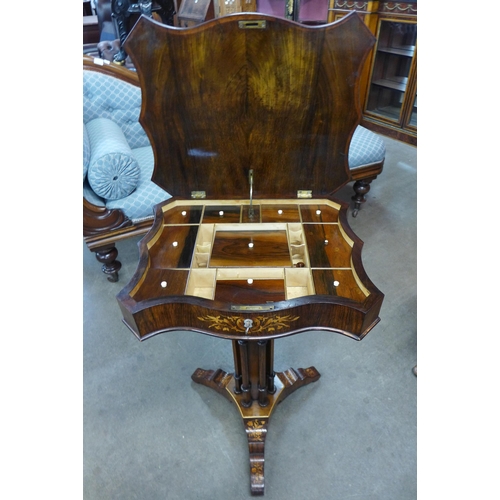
{"points": [[250, 263], [250, 249]]}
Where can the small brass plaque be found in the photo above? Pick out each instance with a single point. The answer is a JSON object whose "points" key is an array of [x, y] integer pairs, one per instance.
{"points": [[246, 25]]}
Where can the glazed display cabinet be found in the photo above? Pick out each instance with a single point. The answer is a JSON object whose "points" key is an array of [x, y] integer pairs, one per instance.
{"points": [[389, 80], [392, 94]]}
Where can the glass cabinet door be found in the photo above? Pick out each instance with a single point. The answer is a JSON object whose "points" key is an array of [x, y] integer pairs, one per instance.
{"points": [[391, 69]]}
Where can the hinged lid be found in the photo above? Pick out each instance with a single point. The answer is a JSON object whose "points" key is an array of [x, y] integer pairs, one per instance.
{"points": [[250, 91]]}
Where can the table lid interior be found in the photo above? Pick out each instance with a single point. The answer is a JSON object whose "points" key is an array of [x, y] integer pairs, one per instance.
{"points": [[250, 92]]}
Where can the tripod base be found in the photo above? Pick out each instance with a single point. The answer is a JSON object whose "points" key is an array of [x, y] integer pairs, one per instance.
{"points": [[255, 416]]}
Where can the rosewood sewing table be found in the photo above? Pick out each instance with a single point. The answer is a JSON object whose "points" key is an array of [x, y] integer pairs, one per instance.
{"points": [[250, 119]]}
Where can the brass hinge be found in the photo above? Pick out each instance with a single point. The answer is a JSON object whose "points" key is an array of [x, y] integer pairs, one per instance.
{"points": [[198, 195], [304, 193]]}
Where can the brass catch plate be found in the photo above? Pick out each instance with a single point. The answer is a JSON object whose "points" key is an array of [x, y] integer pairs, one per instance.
{"points": [[248, 25]]}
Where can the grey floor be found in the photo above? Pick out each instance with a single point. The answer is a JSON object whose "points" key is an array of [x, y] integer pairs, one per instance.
{"points": [[150, 433]]}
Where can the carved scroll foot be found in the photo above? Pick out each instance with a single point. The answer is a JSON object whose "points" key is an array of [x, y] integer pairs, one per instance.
{"points": [[256, 417], [107, 257], [293, 379], [214, 379]]}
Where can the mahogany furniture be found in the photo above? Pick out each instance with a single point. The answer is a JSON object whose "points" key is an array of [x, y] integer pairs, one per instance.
{"points": [[90, 30], [250, 119]]}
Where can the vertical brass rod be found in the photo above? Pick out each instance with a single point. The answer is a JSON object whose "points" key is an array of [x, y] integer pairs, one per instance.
{"points": [[263, 399], [237, 368], [251, 212], [245, 374]]}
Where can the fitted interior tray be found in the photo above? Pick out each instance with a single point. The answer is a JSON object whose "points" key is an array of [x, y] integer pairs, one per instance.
{"points": [[295, 248], [250, 285], [236, 248]]}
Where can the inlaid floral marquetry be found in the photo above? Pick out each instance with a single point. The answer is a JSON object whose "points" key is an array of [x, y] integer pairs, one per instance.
{"points": [[257, 470], [257, 429], [261, 324]]}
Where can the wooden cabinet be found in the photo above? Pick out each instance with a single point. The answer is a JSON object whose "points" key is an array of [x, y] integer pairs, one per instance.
{"points": [[193, 12], [389, 80]]}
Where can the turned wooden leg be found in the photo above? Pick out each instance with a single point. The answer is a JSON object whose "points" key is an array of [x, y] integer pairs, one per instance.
{"points": [[361, 188], [110, 266], [256, 416]]}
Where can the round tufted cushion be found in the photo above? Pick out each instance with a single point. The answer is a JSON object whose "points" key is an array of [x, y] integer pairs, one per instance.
{"points": [[113, 171], [86, 151], [139, 205]]}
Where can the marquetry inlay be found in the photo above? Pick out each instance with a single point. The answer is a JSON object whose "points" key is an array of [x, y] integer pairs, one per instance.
{"points": [[261, 324]]}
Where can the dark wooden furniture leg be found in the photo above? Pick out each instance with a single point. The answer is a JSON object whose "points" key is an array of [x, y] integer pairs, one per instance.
{"points": [[255, 389], [361, 188], [107, 257]]}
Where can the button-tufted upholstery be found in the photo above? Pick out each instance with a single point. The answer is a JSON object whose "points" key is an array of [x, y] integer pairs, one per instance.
{"points": [[107, 97], [111, 94]]}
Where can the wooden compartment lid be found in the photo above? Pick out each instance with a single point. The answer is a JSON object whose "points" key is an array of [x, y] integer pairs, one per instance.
{"points": [[250, 92]]}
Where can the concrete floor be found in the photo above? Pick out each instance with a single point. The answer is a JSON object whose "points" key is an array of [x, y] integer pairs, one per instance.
{"points": [[150, 433]]}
